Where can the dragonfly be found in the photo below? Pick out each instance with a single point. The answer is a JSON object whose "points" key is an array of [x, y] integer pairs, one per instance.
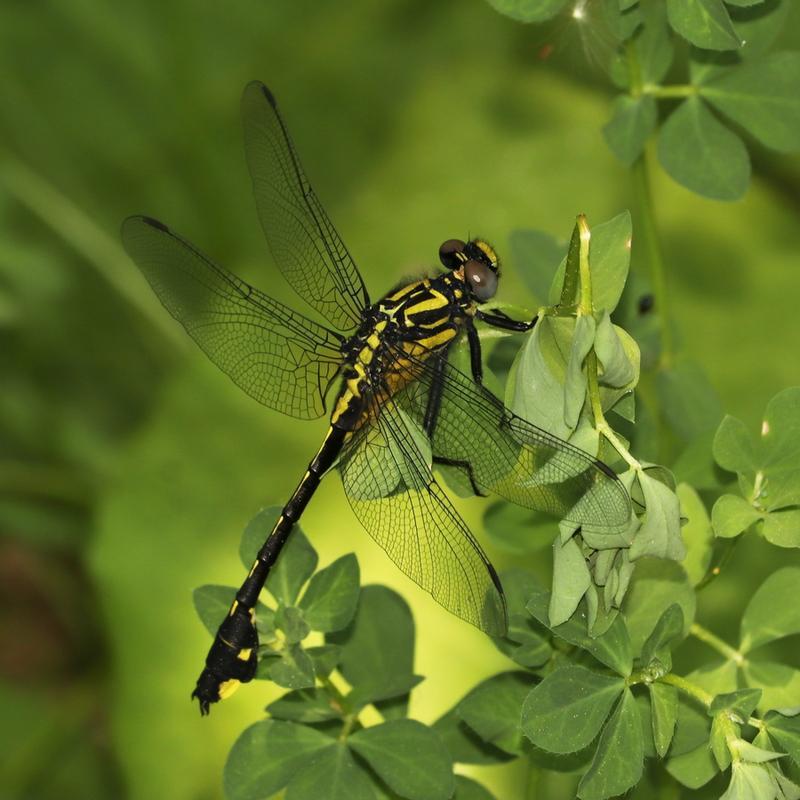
{"points": [[400, 407]]}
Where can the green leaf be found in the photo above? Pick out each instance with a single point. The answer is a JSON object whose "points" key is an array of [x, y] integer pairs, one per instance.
{"points": [[760, 25], [718, 677], [379, 641], [566, 710], [290, 620], [617, 369], [749, 782], [695, 768], [719, 742], [692, 728], [770, 467], [700, 153], [733, 447], [517, 530], [325, 658], [535, 255], [689, 401], [539, 372], [663, 714], [492, 710], [761, 96], [293, 670], [467, 789], [697, 534], [267, 756], [331, 598], [785, 730], [773, 611], [668, 628], [294, 567], [523, 642], [782, 528], [528, 10], [212, 604], [660, 533], [463, 744], [305, 705], [731, 515], [742, 702], [409, 757], [333, 775], [575, 383], [779, 683], [612, 648], [655, 586], [609, 260], [571, 579], [704, 23], [630, 126], [382, 687], [617, 765]]}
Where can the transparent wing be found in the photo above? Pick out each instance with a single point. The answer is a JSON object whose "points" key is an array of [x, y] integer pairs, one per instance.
{"points": [[279, 357], [302, 239], [394, 495], [507, 455]]}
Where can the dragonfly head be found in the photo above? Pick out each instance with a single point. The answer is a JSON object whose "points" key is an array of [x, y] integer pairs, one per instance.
{"points": [[478, 262]]}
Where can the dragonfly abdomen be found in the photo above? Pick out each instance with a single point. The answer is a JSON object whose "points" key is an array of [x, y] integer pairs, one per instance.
{"points": [[233, 656]]}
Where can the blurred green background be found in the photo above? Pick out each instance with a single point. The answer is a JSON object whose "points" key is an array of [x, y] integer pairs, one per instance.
{"points": [[129, 465]]}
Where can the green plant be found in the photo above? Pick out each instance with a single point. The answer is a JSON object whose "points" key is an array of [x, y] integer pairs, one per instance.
{"points": [[592, 690]]}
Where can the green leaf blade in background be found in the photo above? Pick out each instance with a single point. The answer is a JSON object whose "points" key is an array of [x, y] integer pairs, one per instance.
{"points": [[492, 710], [664, 715], [762, 96], [773, 611], [704, 23], [409, 757], [528, 10], [732, 515], [700, 153], [632, 122]]}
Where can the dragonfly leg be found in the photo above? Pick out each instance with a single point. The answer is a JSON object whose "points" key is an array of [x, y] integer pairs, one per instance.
{"points": [[499, 319]]}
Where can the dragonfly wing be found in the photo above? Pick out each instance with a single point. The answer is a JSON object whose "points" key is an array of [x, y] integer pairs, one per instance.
{"points": [[509, 456], [393, 493], [279, 357], [302, 239]]}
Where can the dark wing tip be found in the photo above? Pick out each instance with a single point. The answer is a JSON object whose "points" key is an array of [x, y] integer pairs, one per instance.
{"points": [[603, 467], [262, 89], [141, 219]]}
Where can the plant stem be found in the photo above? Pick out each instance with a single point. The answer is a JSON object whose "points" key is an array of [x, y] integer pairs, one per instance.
{"points": [[677, 90], [644, 202], [712, 640], [687, 687]]}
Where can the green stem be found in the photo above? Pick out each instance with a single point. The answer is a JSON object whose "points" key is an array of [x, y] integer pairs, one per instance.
{"points": [[712, 640], [89, 240], [644, 202], [677, 90], [687, 687]]}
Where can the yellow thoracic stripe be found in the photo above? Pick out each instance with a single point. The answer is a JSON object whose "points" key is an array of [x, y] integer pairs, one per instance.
{"points": [[438, 300], [403, 291], [437, 340]]}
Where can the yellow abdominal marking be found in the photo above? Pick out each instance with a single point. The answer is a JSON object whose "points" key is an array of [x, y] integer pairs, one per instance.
{"points": [[244, 654], [227, 688]]}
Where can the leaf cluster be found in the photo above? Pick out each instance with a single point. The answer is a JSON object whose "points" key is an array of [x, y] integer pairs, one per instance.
{"points": [[731, 88]]}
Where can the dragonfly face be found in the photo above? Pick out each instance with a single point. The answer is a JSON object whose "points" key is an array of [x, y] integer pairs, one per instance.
{"points": [[397, 386]]}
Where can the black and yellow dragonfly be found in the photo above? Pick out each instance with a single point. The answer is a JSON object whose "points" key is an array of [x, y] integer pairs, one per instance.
{"points": [[401, 407]]}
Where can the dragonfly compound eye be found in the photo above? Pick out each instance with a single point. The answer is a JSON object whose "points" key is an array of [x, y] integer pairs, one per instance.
{"points": [[450, 251], [482, 280]]}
